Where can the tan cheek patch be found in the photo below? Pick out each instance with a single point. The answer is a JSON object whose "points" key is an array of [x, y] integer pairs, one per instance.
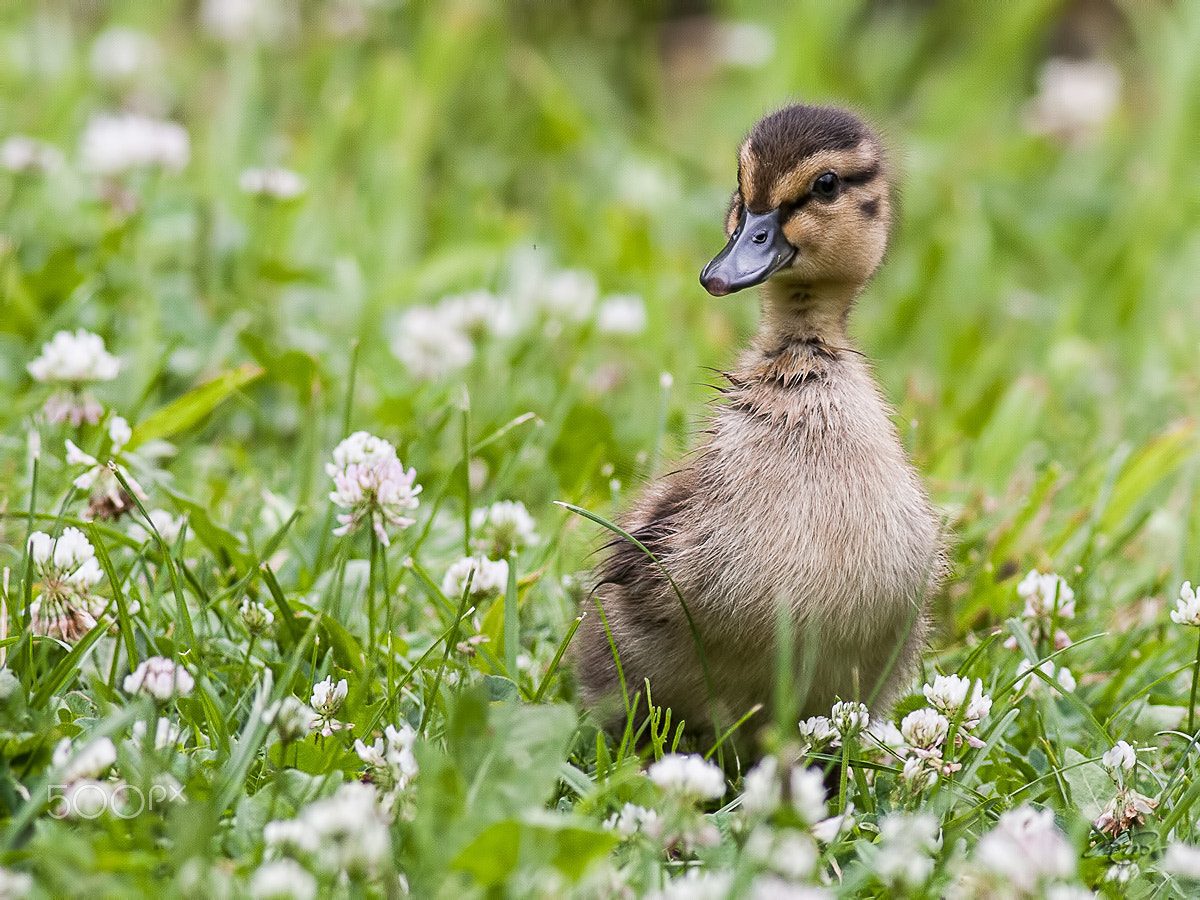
{"points": [[813, 224], [797, 230]]}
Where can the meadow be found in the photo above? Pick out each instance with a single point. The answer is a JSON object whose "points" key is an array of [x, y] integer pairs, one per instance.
{"points": [[381, 309]]}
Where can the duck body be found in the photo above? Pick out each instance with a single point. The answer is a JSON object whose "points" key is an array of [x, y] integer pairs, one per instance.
{"points": [[800, 510]]}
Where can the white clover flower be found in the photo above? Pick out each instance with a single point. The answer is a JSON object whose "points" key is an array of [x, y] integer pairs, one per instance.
{"points": [[632, 819], [430, 344], [1187, 607], [121, 54], [371, 482], [478, 314], [327, 698], [1120, 757], [1075, 97], [1121, 873], [950, 694], [907, 844], [289, 837], [275, 183], [98, 473], [786, 851], [165, 733], [237, 21], [160, 678], [830, 830], [76, 358], [816, 731], [1065, 679], [1026, 847], [691, 777], [292, 718], [88, 798], [92, 761], [352, 832], [119, 432], [67, 570], [1182, 861], [772, 887], [14, 884], [282, 879], [70, 558], [491, 577], [849, 718], [256, 617], [925, 729], [1127, 809], [26, 155], [115, 144], [1061, 675], [762, 790], [695, 884], [74, 361], [1042, 592], [390, 761], [503, 527], [569, 294], [621, 314], [918, 775], [1068, 892]]}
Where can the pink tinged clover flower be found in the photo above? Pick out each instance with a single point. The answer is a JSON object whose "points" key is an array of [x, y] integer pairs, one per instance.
{"points": [[1125, 811], [925, 729], [327, 699], [955, 697], [67, 570], [107, 494], [370, 481]]}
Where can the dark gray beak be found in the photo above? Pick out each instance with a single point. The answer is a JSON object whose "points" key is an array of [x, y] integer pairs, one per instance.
{"points": [[754, 253]]}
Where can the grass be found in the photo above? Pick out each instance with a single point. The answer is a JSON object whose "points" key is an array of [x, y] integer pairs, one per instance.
{"points": [[1033, 325]]}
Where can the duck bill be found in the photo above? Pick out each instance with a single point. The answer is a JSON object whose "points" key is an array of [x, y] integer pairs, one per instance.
{"points": [[755, 252]]}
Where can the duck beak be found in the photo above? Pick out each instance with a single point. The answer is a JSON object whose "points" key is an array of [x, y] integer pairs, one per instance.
{"points": [[756, 251]]}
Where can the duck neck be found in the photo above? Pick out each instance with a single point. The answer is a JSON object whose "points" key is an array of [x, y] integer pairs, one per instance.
{"points": [[798, 313]]}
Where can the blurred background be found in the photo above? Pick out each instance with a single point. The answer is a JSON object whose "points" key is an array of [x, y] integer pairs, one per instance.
{"points": [[307, 175]]}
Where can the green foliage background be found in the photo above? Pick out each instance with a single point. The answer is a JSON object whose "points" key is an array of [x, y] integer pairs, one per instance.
{"points": [[1035, 325]]}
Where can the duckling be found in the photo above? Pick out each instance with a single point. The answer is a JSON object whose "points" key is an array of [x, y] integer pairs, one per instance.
{"points": [[801, 507]]}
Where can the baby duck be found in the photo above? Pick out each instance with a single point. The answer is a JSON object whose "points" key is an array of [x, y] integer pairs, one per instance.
{"points": [[800, 508]]}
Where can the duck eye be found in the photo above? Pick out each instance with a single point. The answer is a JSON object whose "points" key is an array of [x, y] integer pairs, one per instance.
{"points": [[826, 186]]}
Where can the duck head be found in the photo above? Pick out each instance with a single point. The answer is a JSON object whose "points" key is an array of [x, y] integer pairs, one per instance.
{"points": [[811, 205]]}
